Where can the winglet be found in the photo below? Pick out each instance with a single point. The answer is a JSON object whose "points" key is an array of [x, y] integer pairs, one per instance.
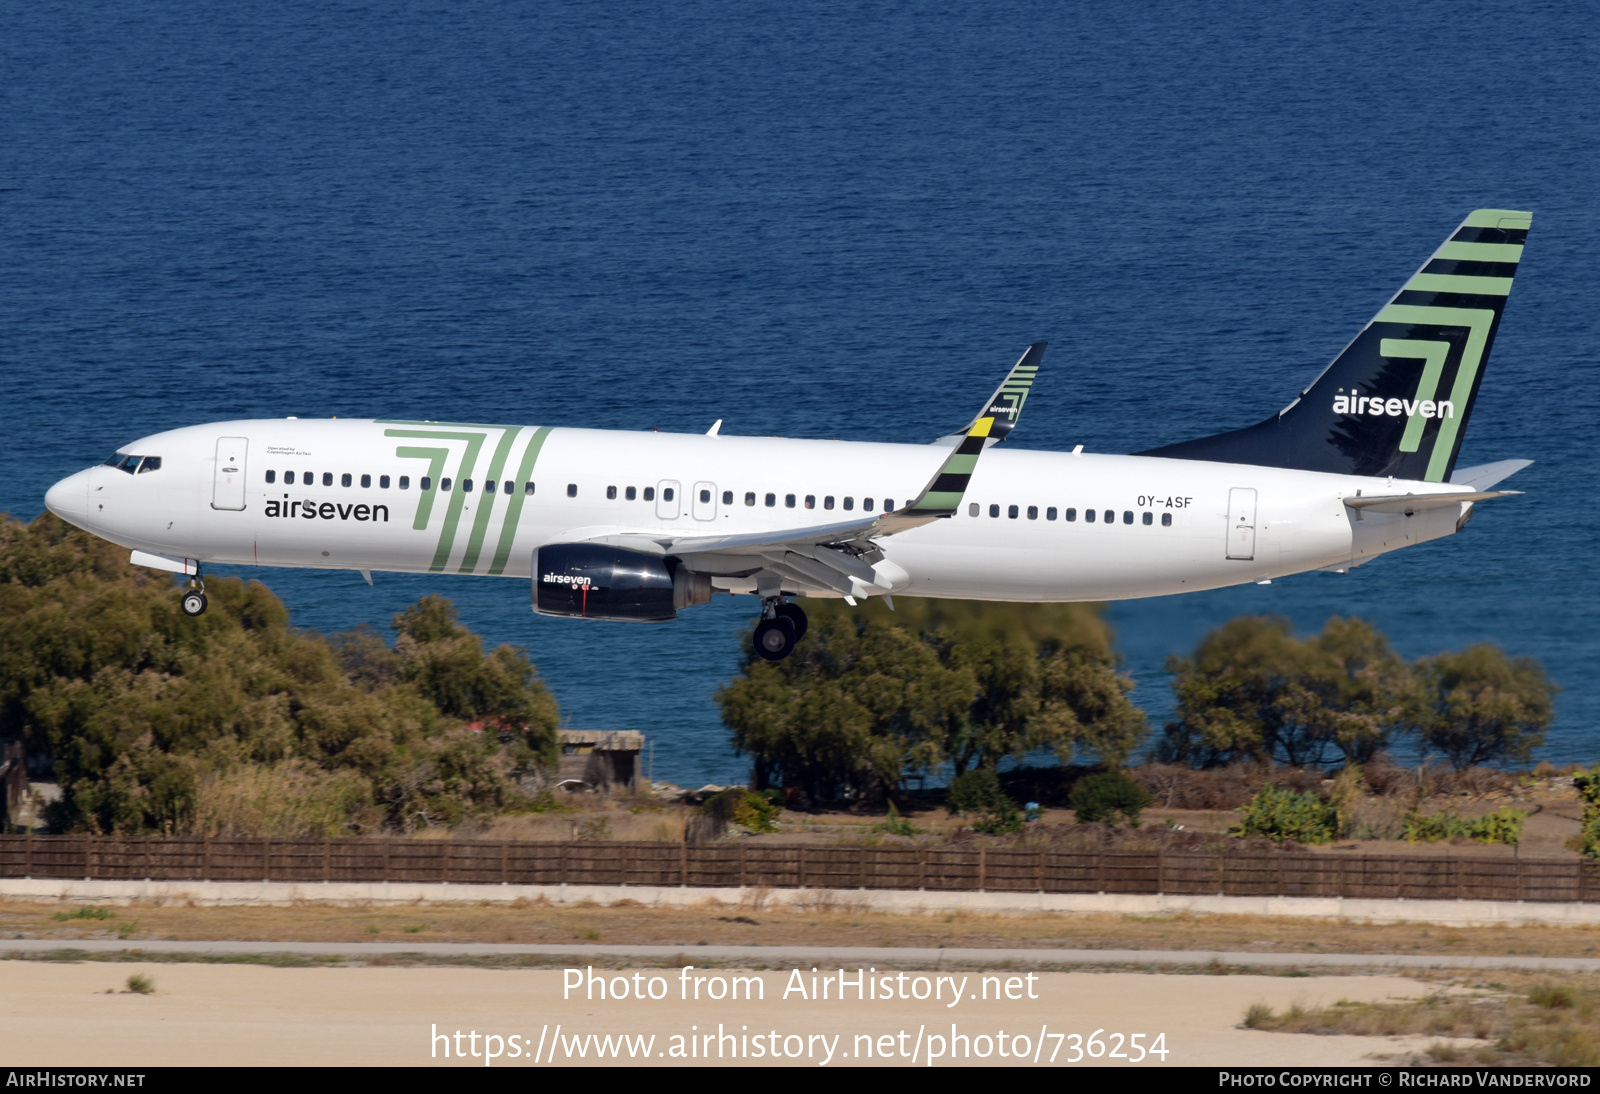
{"points": [[999, 415]]}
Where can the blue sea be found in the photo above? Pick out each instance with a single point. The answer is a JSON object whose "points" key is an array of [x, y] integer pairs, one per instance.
{"points": [[818, 220]]}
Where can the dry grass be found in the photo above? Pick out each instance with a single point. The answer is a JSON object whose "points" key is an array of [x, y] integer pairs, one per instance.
{"points": [[759, 922], [1516, 1019]]}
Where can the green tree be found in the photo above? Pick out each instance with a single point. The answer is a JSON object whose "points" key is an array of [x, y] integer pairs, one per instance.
{"points": [[157, 722], [1251, 690], [1480, 706], [871, 695]]}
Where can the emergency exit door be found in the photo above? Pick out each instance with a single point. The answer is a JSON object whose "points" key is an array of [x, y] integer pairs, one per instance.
{"points": [[227, 491], [1241, 523]]}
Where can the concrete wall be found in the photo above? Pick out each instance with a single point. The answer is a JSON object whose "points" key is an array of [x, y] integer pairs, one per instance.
{"points": [[1453, 913]]}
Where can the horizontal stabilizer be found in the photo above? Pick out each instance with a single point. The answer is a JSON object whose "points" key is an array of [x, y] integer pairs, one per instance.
{"points": [[1417, 503], [1486, 475]]}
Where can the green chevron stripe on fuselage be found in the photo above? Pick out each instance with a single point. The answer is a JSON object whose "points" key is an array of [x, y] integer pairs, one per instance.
{"points": [[508, 529], [435, 458], [480, 522], [469, 459]]}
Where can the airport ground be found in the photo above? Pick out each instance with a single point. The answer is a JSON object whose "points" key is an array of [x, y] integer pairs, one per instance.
{"points": [[1272, 1002]]}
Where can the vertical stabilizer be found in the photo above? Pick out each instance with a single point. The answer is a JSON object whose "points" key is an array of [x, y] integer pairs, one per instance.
{"points": [[1397, 400]]}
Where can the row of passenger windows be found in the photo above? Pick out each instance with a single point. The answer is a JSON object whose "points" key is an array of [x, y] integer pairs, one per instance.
{"points": [[770, 500], [309, 478], [631, 493], [1107, 516]]}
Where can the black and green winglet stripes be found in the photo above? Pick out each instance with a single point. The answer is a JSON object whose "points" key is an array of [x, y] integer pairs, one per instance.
{"points": [[997, 418]]}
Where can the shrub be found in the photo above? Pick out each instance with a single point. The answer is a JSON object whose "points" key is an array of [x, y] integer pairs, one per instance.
{"points": [[140, 984], [896, 825], [1588, 784], [1502, 826], [1099, 797], [977, 794], [735, 805], [1286, 815]]}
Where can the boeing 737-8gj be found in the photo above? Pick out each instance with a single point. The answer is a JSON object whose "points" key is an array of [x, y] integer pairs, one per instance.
{"points": [[637, 526]]}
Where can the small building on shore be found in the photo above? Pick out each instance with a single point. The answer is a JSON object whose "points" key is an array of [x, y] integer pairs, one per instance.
{"points": [[600, 760]]}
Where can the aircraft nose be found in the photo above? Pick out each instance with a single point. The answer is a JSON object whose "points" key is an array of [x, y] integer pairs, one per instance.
{"points": [[69, 498]]}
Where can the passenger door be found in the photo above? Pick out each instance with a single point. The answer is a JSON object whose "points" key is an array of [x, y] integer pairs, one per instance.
{"points": [[1241, 523], [227, 490], [705, 501], [667, 501]]}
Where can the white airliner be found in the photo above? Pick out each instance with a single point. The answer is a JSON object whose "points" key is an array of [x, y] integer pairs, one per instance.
{"points": [[637, 526]]}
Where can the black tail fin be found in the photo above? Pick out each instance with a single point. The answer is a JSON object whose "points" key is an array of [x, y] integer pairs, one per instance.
{"points": [[1396, 401]]}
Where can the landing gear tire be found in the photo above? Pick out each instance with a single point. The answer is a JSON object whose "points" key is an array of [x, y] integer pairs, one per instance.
{"points": [[775, 638], [194, 603], [796, 616]]}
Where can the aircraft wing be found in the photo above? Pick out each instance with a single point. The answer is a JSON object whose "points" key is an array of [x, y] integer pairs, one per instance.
{"points": [[843, 556]]}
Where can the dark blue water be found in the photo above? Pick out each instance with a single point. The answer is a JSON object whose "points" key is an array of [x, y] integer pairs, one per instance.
{"points": [[819, 220]]}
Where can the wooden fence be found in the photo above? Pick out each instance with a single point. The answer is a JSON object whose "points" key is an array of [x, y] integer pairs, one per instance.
{"points": [[780, 866]]}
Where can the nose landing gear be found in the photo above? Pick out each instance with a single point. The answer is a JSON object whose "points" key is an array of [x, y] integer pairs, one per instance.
{"points": [[783, 624], [194, 597]]}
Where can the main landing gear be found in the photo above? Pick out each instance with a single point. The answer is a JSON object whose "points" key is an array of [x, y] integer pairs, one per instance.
{"points": [[194, 597], [782, 625]]}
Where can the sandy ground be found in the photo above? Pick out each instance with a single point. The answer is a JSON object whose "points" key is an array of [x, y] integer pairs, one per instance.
{"points": [[61, 1014]]}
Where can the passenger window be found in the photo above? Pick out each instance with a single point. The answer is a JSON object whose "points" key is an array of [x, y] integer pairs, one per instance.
{"points": [[1149, 518], [366, 481], [849, 503], [383, 482], [288, 478], [426, 483], [811, 501], [272, 476], [631, 493], [727, 497], [649, 493], [572, 490], [508, 487], [1127, 516], [772, 499], [527, 488], [344, 479], [466, 486], [1033, 512], [750, 497], [1071, 515], [1050, 513], [705, 497], [1111, 516], [888, 505], [151, 463], [444, 484], [788, 501], [1012, 512], [1088, 515], [866, 505], [667, 492], [611, 493], [405, 482], [1166, 520], [994, 510], [327, 478], [488, 486]]}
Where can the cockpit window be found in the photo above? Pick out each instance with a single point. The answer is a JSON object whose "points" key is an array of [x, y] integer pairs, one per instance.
{"points": [[130, 464], [113, 459], [151, 463]]}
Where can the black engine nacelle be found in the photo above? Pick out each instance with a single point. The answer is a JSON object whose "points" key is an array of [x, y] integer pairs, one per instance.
{"points": [[594, 581]]}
